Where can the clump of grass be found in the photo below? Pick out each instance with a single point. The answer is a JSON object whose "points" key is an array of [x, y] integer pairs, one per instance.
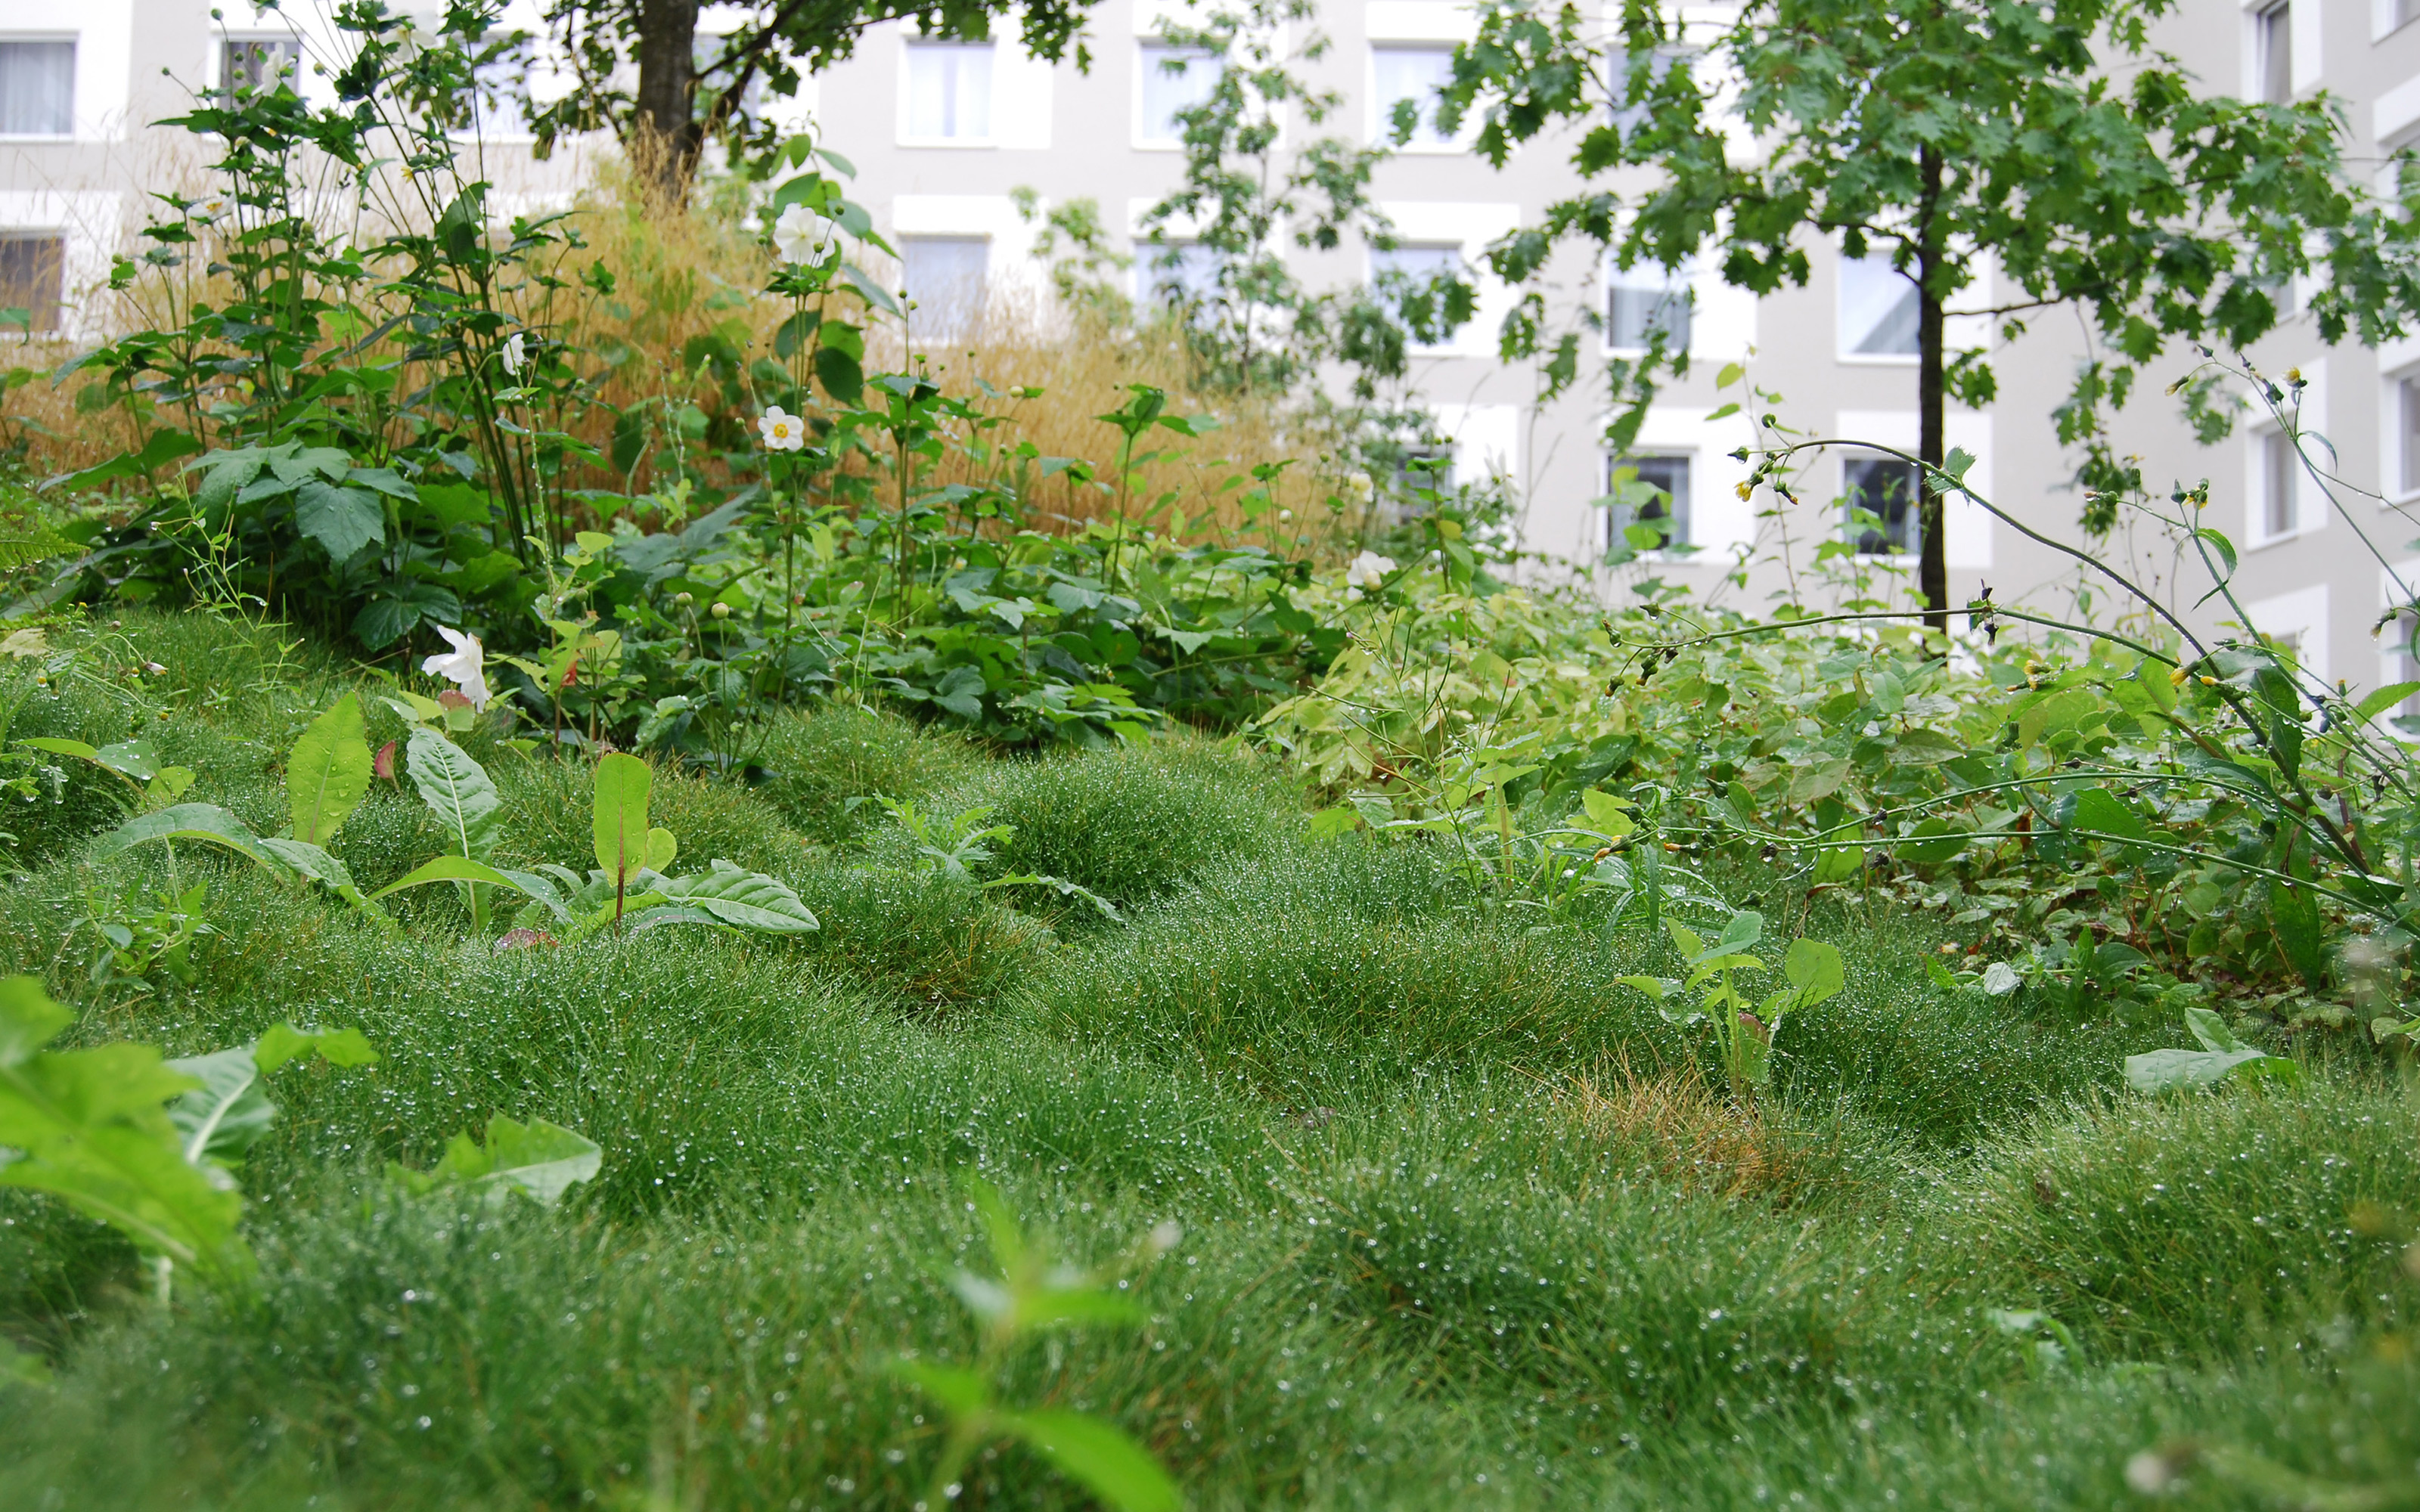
{"points": [[2200, 1221], [1311, 1009], [828, 766], [932, 941], [1675, 1127], [1132, 825]]}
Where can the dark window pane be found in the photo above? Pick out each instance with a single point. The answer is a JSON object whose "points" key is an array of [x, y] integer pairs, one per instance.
{"points": [[250, 65], [1881, 507], [1667, 513]]}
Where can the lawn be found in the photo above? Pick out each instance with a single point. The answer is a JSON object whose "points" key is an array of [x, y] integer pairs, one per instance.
{"points": [[1458, 1218]]}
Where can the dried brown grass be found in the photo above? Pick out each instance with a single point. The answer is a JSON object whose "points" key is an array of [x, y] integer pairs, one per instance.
{"points": [[1675, 1128], [679, 276]]}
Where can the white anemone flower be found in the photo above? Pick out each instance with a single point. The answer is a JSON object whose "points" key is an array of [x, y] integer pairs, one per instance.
{"points": [[1368, 570], [1361, 485], [516, 354], [782, 432], [211, 207], [802, 237], [465, 666]]}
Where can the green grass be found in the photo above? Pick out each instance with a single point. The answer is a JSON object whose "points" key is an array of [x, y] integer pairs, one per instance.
{"points": [[1465, 1223]]}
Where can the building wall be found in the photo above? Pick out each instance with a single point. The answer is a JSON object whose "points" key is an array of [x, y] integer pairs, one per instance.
{"points": [[1066, 135]]}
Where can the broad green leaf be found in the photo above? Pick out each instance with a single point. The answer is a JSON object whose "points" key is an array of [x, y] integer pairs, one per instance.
{"points": [[56, 746], [742, 899], [203, 821], [662, 847], [620, 822], [343, 520], [1740, 931], [1815, 969], [2100, 809], [963, 1392], [2164, 1071], [1099, 1458], [1055, 1306], [459, 791], [228, 1113], [90, 1127], [1605, 812], [539, 1159], [327, 773], [1842, 859], [2368, 708], [449, 869], [137, 759]]}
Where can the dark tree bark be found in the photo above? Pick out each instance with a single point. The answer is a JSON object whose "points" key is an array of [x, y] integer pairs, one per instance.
{"points": [[1933, 561], [666, 98]]}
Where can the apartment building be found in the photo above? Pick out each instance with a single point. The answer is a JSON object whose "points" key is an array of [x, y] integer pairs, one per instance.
{"points": [[944, 134]]}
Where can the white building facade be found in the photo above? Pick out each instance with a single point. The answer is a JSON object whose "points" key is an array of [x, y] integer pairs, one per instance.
{"points": [[943, 133]]}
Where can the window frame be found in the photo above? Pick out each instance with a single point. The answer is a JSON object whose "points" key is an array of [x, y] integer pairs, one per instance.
{"points": [[37, 330], [1842, 351], [224, 89], [1382, 119], [1912, 517], [1145, 66], [909, 48], [2272, 61], [1680, 512], [1662, 282], [971, 318], [74, 42], [2274, 457]]}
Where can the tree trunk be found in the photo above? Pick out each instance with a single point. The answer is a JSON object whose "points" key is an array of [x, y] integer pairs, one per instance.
{"points": [[1932, 562], [664, 140]]}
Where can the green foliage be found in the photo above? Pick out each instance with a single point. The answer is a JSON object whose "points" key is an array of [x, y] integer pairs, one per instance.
{"points": [[540, 1160], [88, 1127], [329, 772], [1033, 1297]]}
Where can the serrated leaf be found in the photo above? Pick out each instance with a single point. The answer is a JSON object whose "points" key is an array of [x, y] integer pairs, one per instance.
{"points": [[203, 821], [538, 1159], [457, 790], [90, 1128], [742, 899], [343, 520], [327, 773]]}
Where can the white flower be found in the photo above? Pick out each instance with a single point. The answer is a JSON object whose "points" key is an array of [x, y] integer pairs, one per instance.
{"points": [[782, 432], [466, 668], [211, 208], [1368, 569], [1361, 485], [802, 237], [516, 354]]}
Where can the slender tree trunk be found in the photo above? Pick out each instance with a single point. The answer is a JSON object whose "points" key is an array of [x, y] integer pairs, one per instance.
{"points": [[1932, 563], [666, 137]]}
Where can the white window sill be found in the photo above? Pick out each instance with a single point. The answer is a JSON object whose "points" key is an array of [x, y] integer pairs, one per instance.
{"points": [[1878, 360], [1421, 149], [37, 138], [963, 143]]}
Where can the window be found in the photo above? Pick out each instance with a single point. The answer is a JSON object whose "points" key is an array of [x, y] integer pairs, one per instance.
{"points": [[1640, 301], [948, 91], [1879, 315], [2404, 627], [37, 88], [2403, 13], [1660, 64], [2406, 422], [2278, 467], [248, 65], [945, 279], [1413, 73], [2272, 52], [1178, 272], [1666, 512], [30, 264], [1174, 78], [1880, 505], [1415, 263]]}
